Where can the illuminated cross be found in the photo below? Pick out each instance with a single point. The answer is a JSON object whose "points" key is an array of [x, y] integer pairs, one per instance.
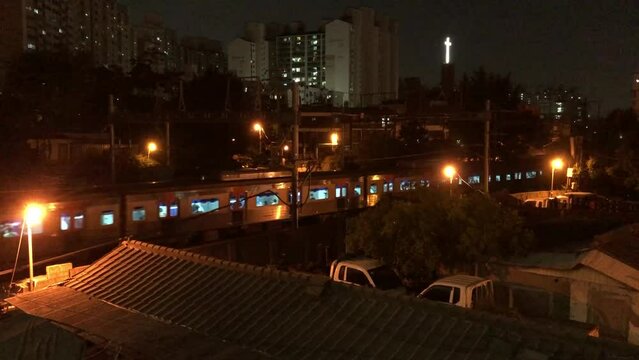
{"points": [[448, 45]]}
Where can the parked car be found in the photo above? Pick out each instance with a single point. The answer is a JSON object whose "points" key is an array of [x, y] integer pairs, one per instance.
{"points": [[461, 290], [363, 271]]}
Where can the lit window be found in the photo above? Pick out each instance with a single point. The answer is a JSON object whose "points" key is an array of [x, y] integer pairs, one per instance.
{"points": [[174, 209], [531, 174], [508, 178], [358, 190], [517, 176], [385, 187], [498, 178], [36, 11], [163, 210], [10, 229], [204, 206], [107, 218], [65, 222], [475, 179], [318, 194], [31, 46], [341, 191], [372, 189], [266, 200], [235, 204], [138, 214], [78, 221], [404, 185]]}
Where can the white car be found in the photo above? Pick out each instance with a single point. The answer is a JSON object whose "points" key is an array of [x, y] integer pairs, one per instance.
{"points": [[365, 272], [461, 290]]}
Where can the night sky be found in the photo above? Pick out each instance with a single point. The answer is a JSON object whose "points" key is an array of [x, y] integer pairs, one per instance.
{"points": [[588, 44]]}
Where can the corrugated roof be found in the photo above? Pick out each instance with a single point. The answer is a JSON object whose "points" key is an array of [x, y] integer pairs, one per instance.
{"points": [[287, 315]]}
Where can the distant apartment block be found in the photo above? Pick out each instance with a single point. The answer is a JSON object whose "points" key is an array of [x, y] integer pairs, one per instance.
{"points": [[354, 60], [156, 45], [199, 55]]}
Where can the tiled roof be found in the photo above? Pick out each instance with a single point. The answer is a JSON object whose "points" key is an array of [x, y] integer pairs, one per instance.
{"points": [[288, 315]]}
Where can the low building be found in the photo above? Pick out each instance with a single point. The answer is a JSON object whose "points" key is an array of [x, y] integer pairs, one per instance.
{"points": [[147, 301], [69, 147], [601, 285]]}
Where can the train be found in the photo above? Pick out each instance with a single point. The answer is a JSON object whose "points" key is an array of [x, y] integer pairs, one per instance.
{"points": [[235, 200]]}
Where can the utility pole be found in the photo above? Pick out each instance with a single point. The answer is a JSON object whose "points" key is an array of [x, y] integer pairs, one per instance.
{"points": [[485, 178], [112, 135], [296, 152], [167, 133]]}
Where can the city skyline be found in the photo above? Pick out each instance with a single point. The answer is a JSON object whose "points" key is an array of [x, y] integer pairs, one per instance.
{"points": [[540, 44]]}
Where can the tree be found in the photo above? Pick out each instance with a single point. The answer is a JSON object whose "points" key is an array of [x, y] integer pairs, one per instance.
{"points": [[482, 85], [431, 231]]}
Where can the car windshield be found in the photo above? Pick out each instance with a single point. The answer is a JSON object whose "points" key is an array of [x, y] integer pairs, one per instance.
{"points": [[385, 278], [438, 293]]}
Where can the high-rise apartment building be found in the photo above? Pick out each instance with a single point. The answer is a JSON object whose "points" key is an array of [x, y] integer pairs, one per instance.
{"points": [[374, 56], [354, 59], [156, 44], [300, 58], [199, 55], [31, 25], [101, 28]]}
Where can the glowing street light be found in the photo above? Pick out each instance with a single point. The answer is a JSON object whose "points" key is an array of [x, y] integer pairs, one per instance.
{"points": [[556, 164], [33, 215], [449, 171], [286, 148], [334, 138], [257, 127], [151, 147]]}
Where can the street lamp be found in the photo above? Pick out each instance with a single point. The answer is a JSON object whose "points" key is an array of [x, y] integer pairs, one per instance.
{"points": [[258, 128], [449, 171], [150, 147], [33, 215], [556, 164], [334, 138]]}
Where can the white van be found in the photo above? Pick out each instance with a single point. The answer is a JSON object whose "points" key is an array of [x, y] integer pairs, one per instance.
{"points": [[461, 290]]}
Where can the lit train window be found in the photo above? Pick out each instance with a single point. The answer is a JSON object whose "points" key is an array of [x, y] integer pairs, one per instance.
{"points": [[10, 229], [204, 206], [318, 194], [358, 190], [531, 174], [266, 200], [174, 209], [508, 177], [235, 204], [341, 191], [423, 183], [385, 187], [475, 179], [390, 186], [404, 185], [498, 178], [107, 218], [78, 221], [517, 176], [372, 189], [163, 210], [138, 214], [65, 222]]}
